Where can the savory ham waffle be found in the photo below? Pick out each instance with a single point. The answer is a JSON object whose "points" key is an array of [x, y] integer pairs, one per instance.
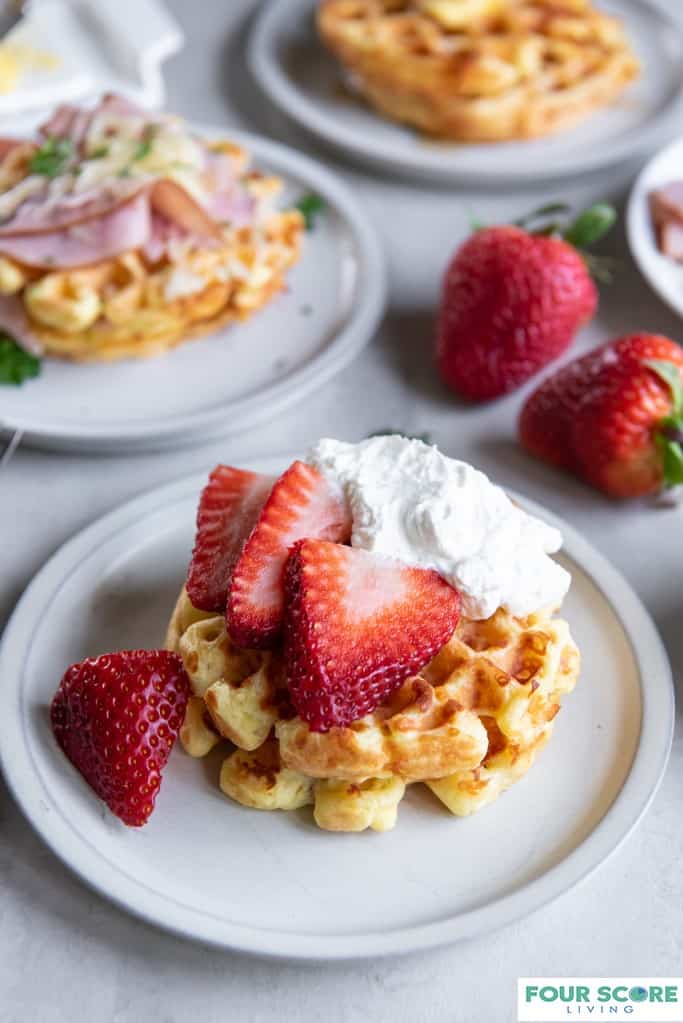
{"points": [[122, 234], [469, 724], [480, 70], [138, 321]]}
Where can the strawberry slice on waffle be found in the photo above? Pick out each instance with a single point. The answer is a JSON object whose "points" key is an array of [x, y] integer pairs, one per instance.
{"points": [[356, 627], [301, 504], [228, 510]]}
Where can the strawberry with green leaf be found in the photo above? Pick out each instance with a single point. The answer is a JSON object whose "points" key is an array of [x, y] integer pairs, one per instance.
{"points": [[614, 417], [514, 297]]}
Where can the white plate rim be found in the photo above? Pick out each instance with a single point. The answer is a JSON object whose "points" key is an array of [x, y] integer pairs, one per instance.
{"points": [[355, 334], [627, 809], [639, 244], [305, 112]]}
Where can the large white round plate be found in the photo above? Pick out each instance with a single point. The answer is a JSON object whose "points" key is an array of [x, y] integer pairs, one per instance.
{"points": [[306, 83], [271, 883], [245, 373], [664, 275]]}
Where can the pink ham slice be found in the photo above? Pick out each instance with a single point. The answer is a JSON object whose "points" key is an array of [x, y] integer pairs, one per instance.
{"points": [[666, 207], [53, 231], [165, 236], [15, 322], [667, 203], [8, 145], [82, 244], [41, 214], [171, 201], [74, 122], [670, 238]]}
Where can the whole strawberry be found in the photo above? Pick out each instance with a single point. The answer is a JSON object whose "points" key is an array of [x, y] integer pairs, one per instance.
{"points": [[513, 299], [116, 718], [613, 417]]}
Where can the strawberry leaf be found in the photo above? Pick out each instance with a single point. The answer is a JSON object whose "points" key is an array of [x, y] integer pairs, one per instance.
{"points": [[591, 225], [671, 375], [672, 461]]}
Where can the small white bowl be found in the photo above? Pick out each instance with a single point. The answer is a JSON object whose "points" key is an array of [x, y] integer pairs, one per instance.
{"points": [[663, 274]]}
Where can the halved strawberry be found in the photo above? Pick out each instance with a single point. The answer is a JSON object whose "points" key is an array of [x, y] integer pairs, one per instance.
{"points": [[116, 717], [301, 504], [356, 627], [228, 511]]}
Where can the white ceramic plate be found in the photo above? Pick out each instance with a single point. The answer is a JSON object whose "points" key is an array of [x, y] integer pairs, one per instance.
{"points": [[272, 883], [245, 373], [305, 82], [663, 274]]}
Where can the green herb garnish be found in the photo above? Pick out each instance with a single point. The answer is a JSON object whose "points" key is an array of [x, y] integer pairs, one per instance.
{"points": [[16, 365], [143, 149], [310, 206], [144, 146], [51, 158], [99, 153]]}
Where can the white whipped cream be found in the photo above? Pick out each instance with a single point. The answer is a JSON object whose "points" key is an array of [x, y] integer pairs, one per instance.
{"points": [[410, 502]]}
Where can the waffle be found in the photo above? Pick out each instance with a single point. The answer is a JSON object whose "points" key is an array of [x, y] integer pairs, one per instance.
{"points": [[139, 322], [120, 308], [480, 70], [468, 725]]}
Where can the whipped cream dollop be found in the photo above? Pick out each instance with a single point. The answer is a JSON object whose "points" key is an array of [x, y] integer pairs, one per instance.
{"points": [[410, 502]]}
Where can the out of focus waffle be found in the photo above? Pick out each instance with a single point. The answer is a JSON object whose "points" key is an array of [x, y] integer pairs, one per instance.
{"points": [[480, 70], [125, 307], [469, 725]]}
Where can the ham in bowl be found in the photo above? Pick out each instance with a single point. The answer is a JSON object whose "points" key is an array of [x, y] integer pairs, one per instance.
{"points": [[122, 234]]}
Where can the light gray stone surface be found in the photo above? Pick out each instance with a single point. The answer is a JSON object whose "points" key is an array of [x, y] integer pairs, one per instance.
{"points": [[69, 956]]}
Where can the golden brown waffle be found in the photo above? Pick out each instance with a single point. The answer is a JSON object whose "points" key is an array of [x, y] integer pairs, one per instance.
{"points": [[469, 725], [480, 70]]}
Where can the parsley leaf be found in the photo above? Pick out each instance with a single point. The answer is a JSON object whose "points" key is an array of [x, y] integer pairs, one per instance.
{"points": [[310, 206], [143, 149], [99, 153], [51, 158], [16, 365]]}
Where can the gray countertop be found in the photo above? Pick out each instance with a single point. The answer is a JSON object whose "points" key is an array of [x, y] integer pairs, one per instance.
{"points": [[69, 955]]}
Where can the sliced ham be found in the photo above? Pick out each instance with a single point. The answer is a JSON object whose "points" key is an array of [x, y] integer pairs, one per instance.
{"points": [[50, 224], [667, 203], [166, 238], [126, 227], [44, 212], [670, 237], [15, 322], [70, 122], [174, 203], [8, 145], [666, 207], [58, 125]]}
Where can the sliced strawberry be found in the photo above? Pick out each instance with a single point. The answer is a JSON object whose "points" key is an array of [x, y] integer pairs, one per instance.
{"points": [[301, 504], [116, 717], [356, 627], [228, 511]]}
